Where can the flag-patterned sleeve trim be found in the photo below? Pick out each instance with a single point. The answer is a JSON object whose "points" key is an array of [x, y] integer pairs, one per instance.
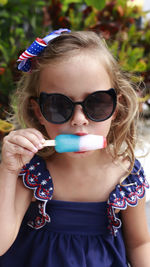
{"points": [[36, 177], [126, 194]]}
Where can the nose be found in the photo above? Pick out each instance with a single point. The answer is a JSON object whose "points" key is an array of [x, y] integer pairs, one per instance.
{"points": [[79, 118]]}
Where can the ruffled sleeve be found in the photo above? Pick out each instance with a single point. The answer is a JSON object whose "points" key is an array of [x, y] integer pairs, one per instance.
{"points": [[126, 194], [36, 176]]}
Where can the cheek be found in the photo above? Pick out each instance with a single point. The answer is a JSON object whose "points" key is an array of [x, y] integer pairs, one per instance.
{"points": [[52, 129], [102, 128]]}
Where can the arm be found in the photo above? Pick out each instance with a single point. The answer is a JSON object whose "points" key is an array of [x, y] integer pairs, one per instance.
{"points": [[18, 149], [136, 235], [14, 199]]}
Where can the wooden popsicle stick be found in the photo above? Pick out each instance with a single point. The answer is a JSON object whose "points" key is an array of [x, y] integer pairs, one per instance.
{"points": [[49, 143]]}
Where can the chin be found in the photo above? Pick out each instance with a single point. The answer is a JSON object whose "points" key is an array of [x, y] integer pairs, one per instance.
{"points": [[77, 155]]}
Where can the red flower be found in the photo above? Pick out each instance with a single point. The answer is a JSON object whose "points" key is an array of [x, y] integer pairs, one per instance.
{"points": [[2, 70]]}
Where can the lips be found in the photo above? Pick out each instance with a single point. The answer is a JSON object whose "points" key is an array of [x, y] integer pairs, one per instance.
{"points": [[80, 134]]}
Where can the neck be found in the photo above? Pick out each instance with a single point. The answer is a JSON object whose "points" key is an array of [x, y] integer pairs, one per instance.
{"points": [[83, 162]]}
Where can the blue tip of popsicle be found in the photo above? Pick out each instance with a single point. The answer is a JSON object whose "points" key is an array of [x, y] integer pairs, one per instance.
{"points": [[67, 143]]}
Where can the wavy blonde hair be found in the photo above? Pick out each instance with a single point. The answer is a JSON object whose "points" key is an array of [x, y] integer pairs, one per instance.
{"points": [[122, 135]]}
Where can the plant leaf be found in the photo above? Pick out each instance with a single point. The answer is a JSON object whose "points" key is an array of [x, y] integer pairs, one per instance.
{"points": [[70, 1], [3, 2], [98, 4]]}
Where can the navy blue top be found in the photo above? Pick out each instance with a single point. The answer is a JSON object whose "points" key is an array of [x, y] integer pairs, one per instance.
{"points": [[71, 234]]}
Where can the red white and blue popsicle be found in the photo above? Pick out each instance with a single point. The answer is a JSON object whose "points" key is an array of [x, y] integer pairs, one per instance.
{"points": [[74, 143]]}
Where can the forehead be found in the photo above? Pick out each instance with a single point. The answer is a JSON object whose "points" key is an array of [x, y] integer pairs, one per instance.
{"points": [[82, 73]]}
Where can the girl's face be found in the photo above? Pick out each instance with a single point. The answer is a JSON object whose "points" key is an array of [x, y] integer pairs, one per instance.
{"points": [[76, 77]]}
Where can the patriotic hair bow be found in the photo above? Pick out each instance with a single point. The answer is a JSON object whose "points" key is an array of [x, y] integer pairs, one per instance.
{"points": [[36, 48]]}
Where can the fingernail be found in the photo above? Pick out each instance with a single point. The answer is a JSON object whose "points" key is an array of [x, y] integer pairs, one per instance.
{"points": [[34, 149], [40, 146], [42, 140]]}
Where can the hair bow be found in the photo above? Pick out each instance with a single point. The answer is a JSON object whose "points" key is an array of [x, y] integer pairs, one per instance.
{"points": [[36, 48]]}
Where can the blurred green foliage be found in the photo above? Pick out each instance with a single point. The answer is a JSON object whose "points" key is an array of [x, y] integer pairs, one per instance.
{"points": [[23, 20], [20, 21]]}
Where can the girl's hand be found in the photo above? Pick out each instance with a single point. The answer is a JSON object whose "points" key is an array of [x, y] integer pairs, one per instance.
{"points": [[19, 147]]}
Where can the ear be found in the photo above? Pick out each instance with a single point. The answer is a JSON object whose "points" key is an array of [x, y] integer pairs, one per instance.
{"points": [[37, 111]]}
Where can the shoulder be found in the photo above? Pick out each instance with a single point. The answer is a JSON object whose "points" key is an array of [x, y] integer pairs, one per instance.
{"points": [[130, 189], [134, 221], [126, 194]]}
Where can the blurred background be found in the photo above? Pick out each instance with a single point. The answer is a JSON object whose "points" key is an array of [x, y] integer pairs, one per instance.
{"points": [[125, 24]]}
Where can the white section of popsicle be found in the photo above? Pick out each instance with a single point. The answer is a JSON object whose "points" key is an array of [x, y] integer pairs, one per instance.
{"points": [[91, 142]]}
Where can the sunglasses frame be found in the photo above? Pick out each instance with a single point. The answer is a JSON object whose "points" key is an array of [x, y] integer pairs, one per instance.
{"points": [[44, 95]]}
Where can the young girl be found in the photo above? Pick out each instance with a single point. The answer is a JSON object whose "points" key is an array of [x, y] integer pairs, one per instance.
{"points": [[83, 208]]}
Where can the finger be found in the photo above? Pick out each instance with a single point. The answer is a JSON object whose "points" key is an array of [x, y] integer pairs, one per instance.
{"points": [[15, 162], [32, 131], [15, 149], [20, 141], [23, 138]]}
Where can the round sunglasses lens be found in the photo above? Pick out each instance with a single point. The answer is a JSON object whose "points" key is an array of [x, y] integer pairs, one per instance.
{"points": [[56, 108], [99, 106]]}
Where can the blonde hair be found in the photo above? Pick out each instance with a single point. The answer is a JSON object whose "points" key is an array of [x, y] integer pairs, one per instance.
{"points": [[122, 133]]}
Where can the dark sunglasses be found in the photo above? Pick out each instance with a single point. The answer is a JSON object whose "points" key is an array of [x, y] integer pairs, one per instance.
{"points": [[58, 108]]}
